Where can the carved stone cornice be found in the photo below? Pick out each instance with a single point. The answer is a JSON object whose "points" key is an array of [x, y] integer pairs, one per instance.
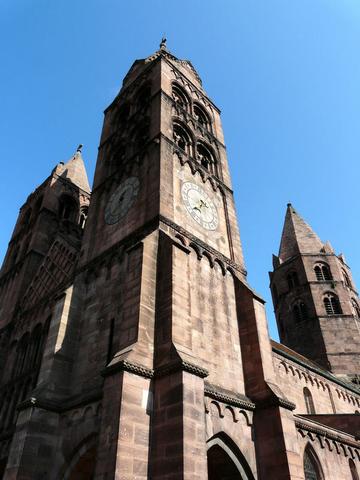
{"points": [[281, 355], [202, 244], [181, 365], [326, 432], [51, 406], [240, 401], [142, 371], [126, 366], [59, 406], [275, 401]]}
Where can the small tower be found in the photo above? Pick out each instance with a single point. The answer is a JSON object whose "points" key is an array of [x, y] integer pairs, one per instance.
{"points": [[316, 304], [56, 209]]}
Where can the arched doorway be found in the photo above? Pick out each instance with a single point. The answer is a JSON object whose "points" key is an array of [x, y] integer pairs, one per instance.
{"points": [[82, 465], [85, 467], [225, 461]]}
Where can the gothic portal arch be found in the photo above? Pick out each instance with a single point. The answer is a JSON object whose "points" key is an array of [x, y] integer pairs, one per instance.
{"points": [[225, 461], [312, 467], [82, 463]]}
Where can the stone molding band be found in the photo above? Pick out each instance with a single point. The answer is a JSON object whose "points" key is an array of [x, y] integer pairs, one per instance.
{"points": [[324, 432], [168, 369], [181, 365], [58, 406], [276, 401], [126, 366], [235, 401], [203, 245]]}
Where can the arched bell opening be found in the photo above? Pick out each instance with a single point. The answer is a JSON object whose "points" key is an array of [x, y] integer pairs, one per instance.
{"points": [[225, 461]]}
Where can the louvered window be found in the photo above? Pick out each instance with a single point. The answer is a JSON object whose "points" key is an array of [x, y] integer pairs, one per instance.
{"points": [[346, 279], [332, 304], [355, 307], [300, 312], [322, 272], [292, 280]]}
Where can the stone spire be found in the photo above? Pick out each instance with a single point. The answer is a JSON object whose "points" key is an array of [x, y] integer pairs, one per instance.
{"points": [[297, 236], [75, 171]]}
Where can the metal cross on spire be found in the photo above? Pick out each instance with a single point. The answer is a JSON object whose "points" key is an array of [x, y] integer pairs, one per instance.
{"points": [[163, 43]]}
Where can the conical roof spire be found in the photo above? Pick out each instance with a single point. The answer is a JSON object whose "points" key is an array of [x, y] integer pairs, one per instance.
{"points": [[75, 171], [297, 236]]}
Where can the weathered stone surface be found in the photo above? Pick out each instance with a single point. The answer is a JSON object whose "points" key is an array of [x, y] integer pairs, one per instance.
{"points": [[134, 348]]}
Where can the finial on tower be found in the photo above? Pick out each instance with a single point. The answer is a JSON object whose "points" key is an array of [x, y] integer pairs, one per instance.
{"points": [[78, 150], [163, 43], [289, 204]]}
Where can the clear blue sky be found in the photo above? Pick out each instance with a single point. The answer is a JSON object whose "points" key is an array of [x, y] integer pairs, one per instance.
{"points": [[285, 73]]}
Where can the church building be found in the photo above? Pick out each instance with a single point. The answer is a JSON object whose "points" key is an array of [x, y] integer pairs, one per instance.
{"points": [[132, 346]]}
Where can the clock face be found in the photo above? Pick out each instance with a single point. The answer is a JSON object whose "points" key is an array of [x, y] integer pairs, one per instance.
{"points": [[121, 200], [199, 205]]}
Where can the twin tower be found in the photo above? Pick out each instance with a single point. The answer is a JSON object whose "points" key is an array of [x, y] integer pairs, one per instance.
{"points": [[132, 344], [315, 300]]}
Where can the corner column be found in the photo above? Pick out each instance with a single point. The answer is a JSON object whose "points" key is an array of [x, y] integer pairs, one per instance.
{"points": [[277, 446], [179, 435], [123, 450]]}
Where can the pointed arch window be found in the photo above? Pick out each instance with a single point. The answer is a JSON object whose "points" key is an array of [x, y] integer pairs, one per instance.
{"points": [[205, 157], [300, 311], [143, 98], [275, 295], [15, 254], [35, 344], [322, 272], [201, 117], [68, 209], [141, 136], [356, 307], [27, 216], [312, 468], [293, 280], [332, 304], [281, 326], [346, 279], [20, 364], [354, 474], [83, 216], [123, 114], [180, 97], [182, 138], [309, 402], [118, 151]]}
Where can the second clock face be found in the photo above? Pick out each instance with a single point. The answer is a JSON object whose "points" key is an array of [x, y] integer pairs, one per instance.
{"points": [[121, 200], [199, 205]]}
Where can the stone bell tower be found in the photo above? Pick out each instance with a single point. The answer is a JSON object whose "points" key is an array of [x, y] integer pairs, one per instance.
{"points": [[316, 304], [162, 212], [158, 339], [182, 331]]}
